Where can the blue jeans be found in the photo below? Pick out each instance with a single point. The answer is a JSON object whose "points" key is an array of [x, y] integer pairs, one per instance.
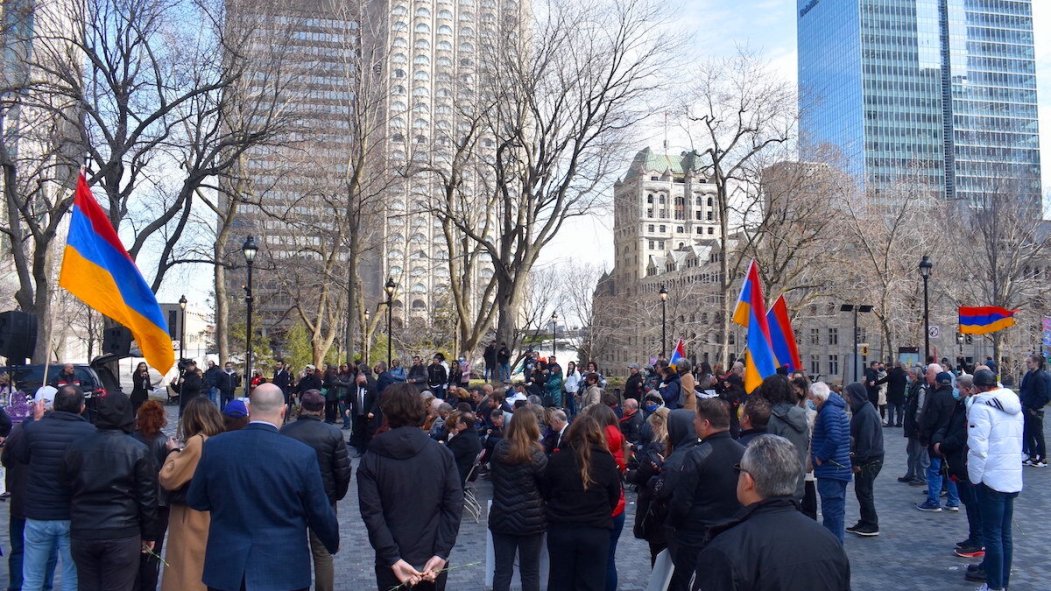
{"points": [[16, 533], [997, 511], [505, 372], [213, 395], [934, 485], [611, 563], [969, 496], [42, 539], [833, 505]]}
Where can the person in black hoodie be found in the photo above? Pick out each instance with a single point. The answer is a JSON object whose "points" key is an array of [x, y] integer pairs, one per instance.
{"points": [[951, 443], [113, 510], [463, 442], [517, 515], [866, 456], [412, 547], [581, 486], [706, 491]]}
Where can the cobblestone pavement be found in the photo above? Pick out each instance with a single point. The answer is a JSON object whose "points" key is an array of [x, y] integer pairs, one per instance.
{"points": [[913, 551]]}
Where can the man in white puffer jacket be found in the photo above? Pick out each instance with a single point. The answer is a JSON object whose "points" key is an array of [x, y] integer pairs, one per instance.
{"points": [[994, 465]]}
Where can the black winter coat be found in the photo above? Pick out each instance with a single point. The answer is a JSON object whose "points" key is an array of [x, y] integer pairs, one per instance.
{"points": [[465, 447], [327, 440], [706, 491], [159, 452], [189, 386], [43, 447], [113, 480], [911, 426], [771, 546], [17, 474], [633, 387], [953, 440], [936, 412], [437, 377], [410, 497], [897, 382], [1035, 391], [518, 507], [866, 434], [649, 513], [568, 504]]}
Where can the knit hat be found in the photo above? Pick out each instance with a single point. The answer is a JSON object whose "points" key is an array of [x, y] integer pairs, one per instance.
{"points": [[984, 377]]}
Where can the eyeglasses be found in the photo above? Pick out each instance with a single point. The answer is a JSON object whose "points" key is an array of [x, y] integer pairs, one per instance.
{"points": [[738, 469]]}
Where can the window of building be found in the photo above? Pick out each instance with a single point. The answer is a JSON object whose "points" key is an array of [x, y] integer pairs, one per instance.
{"points": [[709, 202], [653, 245], [664, 228], [833, 365], [649, 212], [651, 227], [709, 216], [700, 230], [711, 230], [698, 215], [649, 199], [655, 178], [815, 365], [399, 73], [679, 229], [815, 336], [662, 200], [833, 336]]}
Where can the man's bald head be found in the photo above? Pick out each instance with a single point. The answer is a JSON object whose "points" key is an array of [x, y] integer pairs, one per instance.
{"points": [[268, 403], [631, 404]]}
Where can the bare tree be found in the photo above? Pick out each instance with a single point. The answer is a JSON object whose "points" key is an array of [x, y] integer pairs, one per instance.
{"points": [[565, 92], [737, 112]]}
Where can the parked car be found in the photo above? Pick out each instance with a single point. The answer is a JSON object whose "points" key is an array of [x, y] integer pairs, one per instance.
{"points": [[96, 378]]}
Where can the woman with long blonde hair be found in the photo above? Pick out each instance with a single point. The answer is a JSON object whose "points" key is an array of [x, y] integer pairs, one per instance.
{"points": [[517, 515], [187, 528], [581, 487]]}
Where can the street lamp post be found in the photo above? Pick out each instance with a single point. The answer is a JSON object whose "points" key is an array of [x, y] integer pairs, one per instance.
{"points": [[365, 337], [390, 288], [182, 327], [554, 334], [249, 249], [664, 322], [855, 309], [925, 271]]}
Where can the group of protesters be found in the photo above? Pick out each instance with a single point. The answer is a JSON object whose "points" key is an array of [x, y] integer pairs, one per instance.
{"points": [[729, 485]]}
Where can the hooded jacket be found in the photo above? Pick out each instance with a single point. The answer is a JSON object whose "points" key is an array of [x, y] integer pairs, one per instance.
{"points": [[113, 479], [410, 497], [790, 421], [994, 441], [671, 391], [866, 432], [831, 449]]}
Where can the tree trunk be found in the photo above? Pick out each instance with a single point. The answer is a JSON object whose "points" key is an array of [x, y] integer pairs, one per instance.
{"points": [[353, 308]]}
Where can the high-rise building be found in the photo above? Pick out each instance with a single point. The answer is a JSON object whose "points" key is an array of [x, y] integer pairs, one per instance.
{"points": [[938, 90]]}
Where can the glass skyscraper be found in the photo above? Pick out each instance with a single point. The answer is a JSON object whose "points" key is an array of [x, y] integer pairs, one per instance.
{"points": [[942, 91]]}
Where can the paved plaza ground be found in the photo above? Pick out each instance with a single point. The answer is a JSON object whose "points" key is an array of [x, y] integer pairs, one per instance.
{"points": [[913, 551]]}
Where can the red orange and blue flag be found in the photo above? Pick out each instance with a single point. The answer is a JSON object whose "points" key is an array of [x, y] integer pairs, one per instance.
{"points": [[678, 354], [751, 312], [97, 269], [782, 337], [985, 319]]}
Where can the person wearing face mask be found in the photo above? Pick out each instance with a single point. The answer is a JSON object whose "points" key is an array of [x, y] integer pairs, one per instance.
{"points": [[951, 443]]}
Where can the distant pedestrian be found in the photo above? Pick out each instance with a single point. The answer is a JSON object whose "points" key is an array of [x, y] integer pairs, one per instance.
{"points": [[1035, 392]]}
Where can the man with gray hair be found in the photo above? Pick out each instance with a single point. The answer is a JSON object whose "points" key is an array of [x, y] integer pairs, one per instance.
{"points": [[764, 546]]}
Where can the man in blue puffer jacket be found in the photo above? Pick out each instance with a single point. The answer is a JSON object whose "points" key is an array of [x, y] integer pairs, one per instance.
{"points": [[830, 453]]}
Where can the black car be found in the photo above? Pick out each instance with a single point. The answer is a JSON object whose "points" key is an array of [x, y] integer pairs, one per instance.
{"points": [[96, 378]]}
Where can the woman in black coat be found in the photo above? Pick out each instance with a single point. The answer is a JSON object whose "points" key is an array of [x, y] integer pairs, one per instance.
{"points": [[140, 388], [517, 515], [465, 445], [581, 487]]}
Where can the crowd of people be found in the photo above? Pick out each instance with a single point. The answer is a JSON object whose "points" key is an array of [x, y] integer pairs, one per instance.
{"points": [[729, 485]]}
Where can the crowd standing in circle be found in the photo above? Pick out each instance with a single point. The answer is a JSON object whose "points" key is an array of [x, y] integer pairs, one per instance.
{"points": [[728, 484]]}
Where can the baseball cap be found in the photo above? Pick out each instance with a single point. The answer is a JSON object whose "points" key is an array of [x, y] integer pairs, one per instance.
{"points": [[984, 377], [943, 378], [235, 409]]}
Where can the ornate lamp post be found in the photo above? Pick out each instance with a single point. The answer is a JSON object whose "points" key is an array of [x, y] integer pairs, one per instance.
{"points": [[664, 321], [182, 327], [554, 334], [925, 271], [390, 287], [249, 249]]}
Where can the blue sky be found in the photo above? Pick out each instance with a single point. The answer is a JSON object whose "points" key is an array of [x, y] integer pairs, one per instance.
{"points": [[767, 27]]}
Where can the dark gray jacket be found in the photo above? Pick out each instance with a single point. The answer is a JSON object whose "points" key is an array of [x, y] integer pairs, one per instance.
{"points": [[327, 440], [518, 507], [789, 421], [43, 447]]}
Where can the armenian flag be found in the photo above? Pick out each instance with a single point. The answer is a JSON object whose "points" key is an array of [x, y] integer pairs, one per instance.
{"points": [[759, 362], [782, 337], [985, 319], [97, 269], [678, 354]]}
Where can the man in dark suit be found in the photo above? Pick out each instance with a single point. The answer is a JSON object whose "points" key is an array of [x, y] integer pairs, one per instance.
{"points": [[362, 411], [283, 380], [263, 490]]}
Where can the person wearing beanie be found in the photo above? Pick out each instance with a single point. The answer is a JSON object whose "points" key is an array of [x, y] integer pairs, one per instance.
{"points": [[113, 510], [937, 413], [866, 456]]}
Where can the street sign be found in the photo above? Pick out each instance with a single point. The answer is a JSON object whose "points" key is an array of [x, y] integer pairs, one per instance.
{"points": [[934, 332]]}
